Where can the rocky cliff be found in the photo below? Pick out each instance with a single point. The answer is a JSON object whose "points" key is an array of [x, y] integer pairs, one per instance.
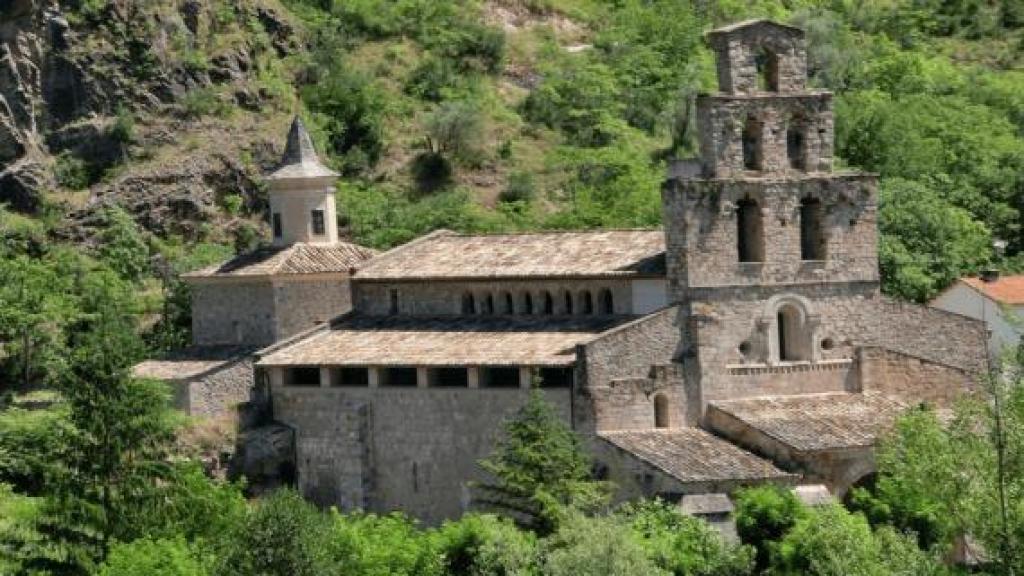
{"points": [[166, 108]]}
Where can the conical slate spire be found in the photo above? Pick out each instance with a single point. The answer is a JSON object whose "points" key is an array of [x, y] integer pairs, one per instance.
{"points": [[300, 159]]}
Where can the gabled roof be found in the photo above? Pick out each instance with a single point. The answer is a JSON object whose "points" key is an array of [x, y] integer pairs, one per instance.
{"points": [[444, 341], [735, 27], [448, 255], [693, 455], [300, 159], [1005, 289], [298, 258]]}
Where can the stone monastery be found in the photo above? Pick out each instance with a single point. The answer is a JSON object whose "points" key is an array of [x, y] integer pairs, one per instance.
{"points": [[746, 342]]}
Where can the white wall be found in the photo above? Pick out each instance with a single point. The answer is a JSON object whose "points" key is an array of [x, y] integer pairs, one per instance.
{"points": [[966, 301], [649, 294]]}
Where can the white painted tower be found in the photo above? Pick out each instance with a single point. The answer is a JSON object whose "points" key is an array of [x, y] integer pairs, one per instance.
{"points": [[302, 194]]}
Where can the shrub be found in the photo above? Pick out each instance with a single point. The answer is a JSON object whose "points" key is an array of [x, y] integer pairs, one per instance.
{"points": [[351, 110], [685, 545], [520, 188], [432, 171], [432, 79], [367, 544], [146, 556], [122, 246], [485, 545], [763, 516], [71, 172], [282, 535], [123, 128], [205, 102], [598, 546], [456, 131]]}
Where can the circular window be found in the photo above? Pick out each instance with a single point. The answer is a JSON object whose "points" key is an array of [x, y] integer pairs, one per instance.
{"points": [[827, 344], [745, 348]]}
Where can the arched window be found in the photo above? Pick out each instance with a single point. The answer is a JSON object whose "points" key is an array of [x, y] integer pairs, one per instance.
{"points": [[468, 303], [812, 237], [547, 303], [661, 417], [568, 302], [753, 139], [586, 302], [508, 304], [488, 304], [791, 334], [796, 143], [605, 302], [527, 303], [767, 64], [749, 231]]}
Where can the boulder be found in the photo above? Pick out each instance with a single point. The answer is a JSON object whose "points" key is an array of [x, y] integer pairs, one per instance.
{"points": [[22, 185]]}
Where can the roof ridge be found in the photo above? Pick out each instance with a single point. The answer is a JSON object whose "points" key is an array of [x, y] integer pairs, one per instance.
{"points": [[552, 232]]}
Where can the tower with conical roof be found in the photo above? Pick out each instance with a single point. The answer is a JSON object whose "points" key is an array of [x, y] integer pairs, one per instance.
{"points": [[771, 255], [302, 205]]}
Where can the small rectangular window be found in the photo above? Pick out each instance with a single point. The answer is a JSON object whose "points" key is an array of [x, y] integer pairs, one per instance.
{"points": [[393, 301], [304, 376], [318, 222], [278, 232], [353, 376]]}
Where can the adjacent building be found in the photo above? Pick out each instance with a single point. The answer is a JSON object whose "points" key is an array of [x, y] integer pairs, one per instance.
{"points": [[996, 300]]}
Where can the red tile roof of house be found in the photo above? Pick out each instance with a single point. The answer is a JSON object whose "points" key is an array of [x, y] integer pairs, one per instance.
{"points": [[1005, 289]]}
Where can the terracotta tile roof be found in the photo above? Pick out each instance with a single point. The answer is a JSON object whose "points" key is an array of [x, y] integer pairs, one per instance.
{"points": [[693, 455], [189, 362], [444, 341], [755, 22], [1006, 289], [813, 422], [298, 258], [447, 255]]}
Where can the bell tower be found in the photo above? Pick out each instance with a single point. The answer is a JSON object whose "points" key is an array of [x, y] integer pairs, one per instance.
{"points": [[770, 253], [302, 207]]}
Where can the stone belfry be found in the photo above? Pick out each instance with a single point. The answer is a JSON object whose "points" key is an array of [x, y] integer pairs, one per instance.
{"points": [[770, 253], [302, 207]]}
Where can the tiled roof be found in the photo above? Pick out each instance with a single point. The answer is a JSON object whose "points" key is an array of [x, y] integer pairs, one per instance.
{"points": [[444, 341], [447, 255], [813, 422], [298, 258], [754, 22], [189, 362], [693, 455], [1005, 289]]}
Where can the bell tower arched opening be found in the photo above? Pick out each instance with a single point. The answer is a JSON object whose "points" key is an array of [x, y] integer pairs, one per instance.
{"points": [[767, 63], [749, 231], [753, 144]]}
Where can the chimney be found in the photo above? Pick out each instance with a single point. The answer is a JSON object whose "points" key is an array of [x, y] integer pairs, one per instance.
{"points": [[989, 275]]}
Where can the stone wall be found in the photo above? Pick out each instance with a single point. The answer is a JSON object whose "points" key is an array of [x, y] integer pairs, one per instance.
{"points": [[722, 121], [737, 53], [912, 378], [445, 297], [931, 334], [233, 312], [218, 392], [413, 450], [701, 232], [303, 303]]}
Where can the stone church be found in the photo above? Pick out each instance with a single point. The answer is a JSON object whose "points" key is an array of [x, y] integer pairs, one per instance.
{"points": [[746, 342]]}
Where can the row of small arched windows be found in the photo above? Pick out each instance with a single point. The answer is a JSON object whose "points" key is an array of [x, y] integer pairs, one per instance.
{"points": [[543, 303]]}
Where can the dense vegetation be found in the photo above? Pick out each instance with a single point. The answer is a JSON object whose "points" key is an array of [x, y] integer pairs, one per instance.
{"points": [[516, 115]]}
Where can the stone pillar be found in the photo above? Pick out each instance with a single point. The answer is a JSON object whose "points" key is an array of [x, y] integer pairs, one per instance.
{"points": [[525, 376], [473, 376], [276, 376], [325, 376], [422, 377], [373, 376]]}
